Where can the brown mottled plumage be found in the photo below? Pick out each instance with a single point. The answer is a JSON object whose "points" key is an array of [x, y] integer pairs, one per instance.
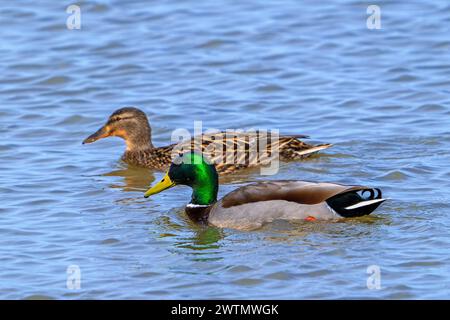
{"points": [[131, 124]]}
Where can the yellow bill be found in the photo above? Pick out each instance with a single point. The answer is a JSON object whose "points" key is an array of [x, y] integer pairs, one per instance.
{"points": [[164, 184]]}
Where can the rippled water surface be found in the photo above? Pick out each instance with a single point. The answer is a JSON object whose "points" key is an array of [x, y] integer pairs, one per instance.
{"points": [[311, 67]]}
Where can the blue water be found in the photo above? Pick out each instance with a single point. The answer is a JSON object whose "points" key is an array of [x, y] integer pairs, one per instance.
{"points": [[381, 96]]}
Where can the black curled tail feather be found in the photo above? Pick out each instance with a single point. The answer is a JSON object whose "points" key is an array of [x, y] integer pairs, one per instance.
{"points": [[356, 203]]}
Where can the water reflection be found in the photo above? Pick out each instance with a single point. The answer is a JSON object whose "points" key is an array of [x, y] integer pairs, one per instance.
{"points": [[203, 244], [134, 178], [294, 231], [203, 238], [198, 241]]}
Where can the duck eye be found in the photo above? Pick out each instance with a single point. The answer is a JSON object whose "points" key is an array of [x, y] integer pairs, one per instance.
{"points": [[114, 119]]}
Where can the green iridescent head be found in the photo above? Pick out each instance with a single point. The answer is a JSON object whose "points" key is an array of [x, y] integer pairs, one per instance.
{"points": [[192, 170]]}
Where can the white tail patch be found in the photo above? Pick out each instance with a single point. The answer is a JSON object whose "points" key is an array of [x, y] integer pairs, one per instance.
{"points": [[364, 203], [313, 149]]}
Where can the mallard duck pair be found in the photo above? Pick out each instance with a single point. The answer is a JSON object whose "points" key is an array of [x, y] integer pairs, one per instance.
{"points": [[247, 207]]}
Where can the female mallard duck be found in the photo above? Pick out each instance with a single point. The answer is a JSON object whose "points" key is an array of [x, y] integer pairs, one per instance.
{"points": [[131, 124], [256, 204]]}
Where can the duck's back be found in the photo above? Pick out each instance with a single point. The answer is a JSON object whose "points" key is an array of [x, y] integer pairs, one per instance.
{"points": [[233, 151], [253, 205], [229, 151]]}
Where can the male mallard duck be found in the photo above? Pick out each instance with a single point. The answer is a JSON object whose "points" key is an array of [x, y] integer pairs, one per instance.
{"points": [[256, 204], [131, 124]]}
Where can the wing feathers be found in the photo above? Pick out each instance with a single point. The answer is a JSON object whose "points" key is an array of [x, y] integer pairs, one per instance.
{"points": [[301, 192], [233, 150]]}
